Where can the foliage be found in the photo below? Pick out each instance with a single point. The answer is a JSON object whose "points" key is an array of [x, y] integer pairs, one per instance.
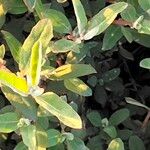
{"points": [[54, 64]]}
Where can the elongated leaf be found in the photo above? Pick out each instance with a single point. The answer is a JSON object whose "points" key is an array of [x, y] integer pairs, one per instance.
{"points": [[119, 116], [111, 131], [63, 46], [30, 4], [13, 44], [25, 105], [72, 71], [2, 51], [134, 102], [21, 146], [17, 84], [8, 122], [56, 106], [103, 19], [145, 5], [42, 32], [127, 34], [59, 20], [77, 86], [2, 14], [111, 37], [80, 15], [145, 63], [135, 143], [35, 64], [116, 144]]}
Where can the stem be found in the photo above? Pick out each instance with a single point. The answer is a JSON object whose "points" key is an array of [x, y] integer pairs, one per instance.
{"points": [[122, 22], [145, 122]]}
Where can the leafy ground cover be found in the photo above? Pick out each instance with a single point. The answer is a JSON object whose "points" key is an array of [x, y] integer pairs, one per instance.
{"points": [[75, 74]]}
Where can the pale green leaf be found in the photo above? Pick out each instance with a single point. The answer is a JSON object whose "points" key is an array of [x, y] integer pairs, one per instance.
{"points": [[145, 63], [8, 122], [111, 37], [119, 116], [42, 32], [111, 131], [63, 111], [80, 16], [103, 19], [29, 136], [13, 44], [21, 146], [127, 34], [17, 84], [77, 86], [2, 51], [145, 5], [2, 14], [35, 64], [72, 71], [30, 4], [116, 144]]}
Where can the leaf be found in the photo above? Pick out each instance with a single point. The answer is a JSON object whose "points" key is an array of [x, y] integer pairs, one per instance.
{"points": [[17, 84], [145, 63], [77, 86], [111, 131], [54, 137], [119, 116], [13, 44], [111, 37], [35, 65], [127, 34], [2, 51], [2, 14], [76, 144], [56, 106], [103, 19], [42, 32], [80, 16], [21, 146], [111, 75], [135, 143], [71, 71], [124, 134], [29, 136], [134, 102], [145, 5], [63, 46], [59, 21], [95, 118], [8, 122], [30, 4], [116, 144], [25, 105]]}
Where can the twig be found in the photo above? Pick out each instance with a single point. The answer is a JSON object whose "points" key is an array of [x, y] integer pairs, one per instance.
{"points": [[122, 22], [145, 122]]}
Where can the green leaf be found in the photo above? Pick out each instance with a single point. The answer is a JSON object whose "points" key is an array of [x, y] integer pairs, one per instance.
{"points": [[29, 136], [30, 4], [111, 37], [145, 63], [76, 144], [21, 146], [127, 34], [129, 14], [145, 5], [8, 122], [59, 21], [35, 65], [56, 106], [110, 75], [13, 44], [111, 131], [63, 46], [124, 134], [80, 16], [116, 144], [95, 118], [2, 51], [42, 32], [54, 137], [17, 84], [2, 14], [77, 86], [119, 116], [25, 105], [103, 19], [135, 143], [71, 71], [134, 102]]}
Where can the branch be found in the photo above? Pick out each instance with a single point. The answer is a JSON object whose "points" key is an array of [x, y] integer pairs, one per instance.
{"points": [[122, 22]]}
